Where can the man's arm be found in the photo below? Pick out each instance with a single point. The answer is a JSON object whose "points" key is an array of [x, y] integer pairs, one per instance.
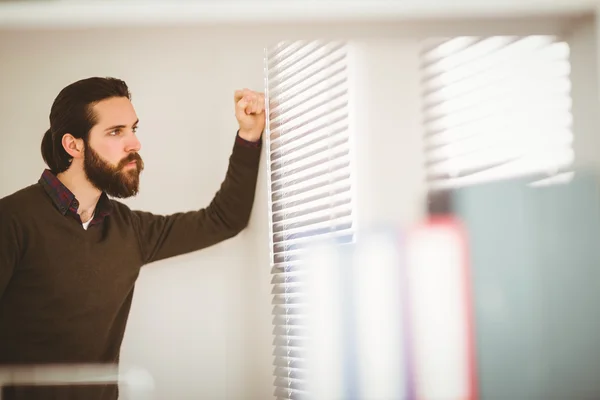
{"points": [[9, 248], [167, 236]]}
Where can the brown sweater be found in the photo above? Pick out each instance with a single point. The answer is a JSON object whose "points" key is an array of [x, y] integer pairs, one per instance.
{"points": [[66, 292]]}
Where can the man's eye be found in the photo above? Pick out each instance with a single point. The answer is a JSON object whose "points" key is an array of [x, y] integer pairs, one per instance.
{"points": [[135, 128]]}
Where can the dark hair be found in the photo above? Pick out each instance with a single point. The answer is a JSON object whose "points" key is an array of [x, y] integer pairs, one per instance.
{"points": [[72, 112]]}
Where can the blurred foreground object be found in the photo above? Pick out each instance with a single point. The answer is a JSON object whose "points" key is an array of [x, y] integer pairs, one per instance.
{"points": [[492, 296], [134, 383], [390, 316], [535, 264]]}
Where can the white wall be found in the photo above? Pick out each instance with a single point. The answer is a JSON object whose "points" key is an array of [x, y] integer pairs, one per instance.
{"points": [[386, 108]]}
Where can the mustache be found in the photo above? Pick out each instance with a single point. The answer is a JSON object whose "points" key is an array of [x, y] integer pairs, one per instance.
{"points": [[130, 158]]}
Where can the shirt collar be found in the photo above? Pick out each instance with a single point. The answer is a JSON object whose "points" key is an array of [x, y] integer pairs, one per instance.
{"points": [[65, 200]]}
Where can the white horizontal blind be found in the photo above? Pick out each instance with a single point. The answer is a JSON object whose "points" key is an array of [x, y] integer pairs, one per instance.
{"points": [[496, 107], [309, 185]]}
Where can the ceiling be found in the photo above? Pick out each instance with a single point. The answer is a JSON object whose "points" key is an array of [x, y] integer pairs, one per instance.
{"points": [[89, 13]]}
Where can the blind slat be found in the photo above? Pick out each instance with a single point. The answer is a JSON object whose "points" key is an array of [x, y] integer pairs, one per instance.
{"points": [[314, 220], [290, 331], [300, 242], [288, 277], [290, 383], [341, 230], [292, 373], [290, 394], [289, 299], [311, 206], [289, 267], [282, 361], [288, 289], [305, 198], [283, 310], [282, 351], [327, 183]]}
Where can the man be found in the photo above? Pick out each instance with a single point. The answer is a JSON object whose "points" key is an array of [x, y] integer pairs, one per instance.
{"points": [[70, 255]]}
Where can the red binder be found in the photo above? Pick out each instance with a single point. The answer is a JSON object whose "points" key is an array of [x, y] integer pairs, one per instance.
{"points": [[440, 313]]}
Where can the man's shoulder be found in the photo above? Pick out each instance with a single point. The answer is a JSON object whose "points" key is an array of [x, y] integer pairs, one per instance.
{"points": [[124, 212], [23, 198], [120, 210], [119, 206], [23, 205]]}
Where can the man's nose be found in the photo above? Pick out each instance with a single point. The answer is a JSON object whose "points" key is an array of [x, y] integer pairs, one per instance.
{"points": [[133, 144]]}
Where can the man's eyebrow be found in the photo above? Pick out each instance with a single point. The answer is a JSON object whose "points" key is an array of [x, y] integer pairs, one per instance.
{"points": [[112, 128]]}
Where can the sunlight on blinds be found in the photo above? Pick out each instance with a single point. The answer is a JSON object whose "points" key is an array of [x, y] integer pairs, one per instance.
{"points": [[308, 146], [495, 108]]}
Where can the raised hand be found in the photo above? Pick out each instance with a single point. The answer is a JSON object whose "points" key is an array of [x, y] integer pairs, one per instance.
{"points": [[250, 113]]}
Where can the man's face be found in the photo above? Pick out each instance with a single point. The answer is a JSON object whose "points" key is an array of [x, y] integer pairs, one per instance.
{"points": [[111, 160]]}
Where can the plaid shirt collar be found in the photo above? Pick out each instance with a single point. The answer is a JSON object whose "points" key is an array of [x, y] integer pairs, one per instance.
{"points": [[65, 200]]}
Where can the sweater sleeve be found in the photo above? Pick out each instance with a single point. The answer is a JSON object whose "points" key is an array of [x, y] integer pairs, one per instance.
{"points": [[9, 249], [228, 213]]}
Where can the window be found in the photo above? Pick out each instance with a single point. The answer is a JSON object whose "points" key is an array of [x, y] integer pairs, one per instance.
{"points": [[308, 144], [495, 108]]}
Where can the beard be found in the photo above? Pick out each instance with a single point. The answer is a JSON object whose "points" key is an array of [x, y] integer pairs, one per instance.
{"points": [[115, 181]]}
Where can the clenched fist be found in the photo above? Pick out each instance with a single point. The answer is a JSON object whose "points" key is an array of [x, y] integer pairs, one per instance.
{"points": [[250, 113]]}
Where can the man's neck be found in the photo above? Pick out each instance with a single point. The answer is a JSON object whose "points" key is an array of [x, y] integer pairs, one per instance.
{"points": [[87, 195]]}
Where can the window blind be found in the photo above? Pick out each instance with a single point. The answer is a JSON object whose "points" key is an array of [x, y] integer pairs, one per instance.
{"points": [[309, 178], [496, 107]]}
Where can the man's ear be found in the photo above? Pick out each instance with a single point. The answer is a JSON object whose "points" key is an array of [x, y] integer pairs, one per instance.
{"points": [[73, 146]]}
